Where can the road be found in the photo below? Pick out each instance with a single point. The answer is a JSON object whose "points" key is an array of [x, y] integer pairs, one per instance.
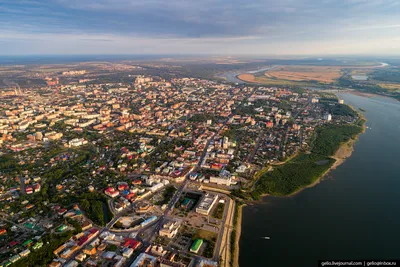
{"points": [[23, 228], [258, 141], [157, 224], [180, 190], [223, 243], [284, 140], [23, 187]]}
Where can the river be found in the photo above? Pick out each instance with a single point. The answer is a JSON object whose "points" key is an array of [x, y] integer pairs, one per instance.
{"points": [[231, 76], [353, 213]]}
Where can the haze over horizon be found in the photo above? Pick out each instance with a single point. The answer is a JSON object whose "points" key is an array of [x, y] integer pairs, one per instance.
{"points": [[287, 27]]}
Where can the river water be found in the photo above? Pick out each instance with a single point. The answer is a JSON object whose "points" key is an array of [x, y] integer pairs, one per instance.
{"points": [[353, 213]]}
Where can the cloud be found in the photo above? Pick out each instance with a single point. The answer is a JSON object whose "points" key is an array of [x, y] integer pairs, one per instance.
{"points": [[200, 24]]}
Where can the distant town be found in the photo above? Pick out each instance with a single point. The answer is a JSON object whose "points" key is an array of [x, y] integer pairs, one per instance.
{"points": [[145, 172]]}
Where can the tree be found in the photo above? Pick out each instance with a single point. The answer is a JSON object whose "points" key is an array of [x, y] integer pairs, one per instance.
{"points": [[85, 205]]}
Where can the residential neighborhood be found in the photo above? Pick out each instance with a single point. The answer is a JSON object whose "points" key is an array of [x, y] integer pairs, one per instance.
{"points": [[144, 173]]}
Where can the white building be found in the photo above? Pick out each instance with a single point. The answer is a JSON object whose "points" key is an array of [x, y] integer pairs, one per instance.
{"points": [[206, 204], [72, 263], [127, 252], [328, 117], [25, 253], [241, 169], [314, 100], [77, 142], [170, 229], [224, 178], [156, 187]]}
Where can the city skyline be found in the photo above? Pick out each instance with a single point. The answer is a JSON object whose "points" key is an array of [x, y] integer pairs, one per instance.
{"points": [[206, 27]]}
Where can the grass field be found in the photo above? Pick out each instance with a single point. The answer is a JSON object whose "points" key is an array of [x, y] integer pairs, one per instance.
{"points": [[361, 71], [322, 74], [390, 86], [271, 81], [203, 234], [303, 75]]}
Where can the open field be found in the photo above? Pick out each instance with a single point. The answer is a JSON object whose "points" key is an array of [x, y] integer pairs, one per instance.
{"points": [[390, 86], [248, 78], [204, 234], [271, 81], [361, 71], [322, 74], [303, 75]]}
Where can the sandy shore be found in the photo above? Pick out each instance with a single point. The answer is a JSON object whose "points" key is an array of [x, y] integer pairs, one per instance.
{"points": [[237, 239], [371, 95], [364, 94], [344, 152]]}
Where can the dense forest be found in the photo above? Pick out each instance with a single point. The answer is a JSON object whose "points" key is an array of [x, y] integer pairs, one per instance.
{"points": [[339, 109], [96, 207], [330, 137]]}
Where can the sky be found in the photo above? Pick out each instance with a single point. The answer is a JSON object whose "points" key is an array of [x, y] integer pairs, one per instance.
{"points": [[215, 27]]}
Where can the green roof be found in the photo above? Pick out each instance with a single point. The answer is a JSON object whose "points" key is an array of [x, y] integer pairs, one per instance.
{"points": [[28, 225], [196, 245], [186, 201], [61, 228], [5, 264], [27, 242], [38, 245]]}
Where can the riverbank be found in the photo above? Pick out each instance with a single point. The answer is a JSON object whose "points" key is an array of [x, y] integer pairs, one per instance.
{"points": [[372, 95], [308, 167], [363, 187], [235, 255], [345, 150]]}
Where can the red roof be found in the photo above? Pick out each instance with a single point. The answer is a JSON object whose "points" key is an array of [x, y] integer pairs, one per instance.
{"points": [[82, 240], [216, 166], [13, 243], [110, 190], [93, 230], [122, 187], [131, 243], [130, 195], [61, 211]]}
